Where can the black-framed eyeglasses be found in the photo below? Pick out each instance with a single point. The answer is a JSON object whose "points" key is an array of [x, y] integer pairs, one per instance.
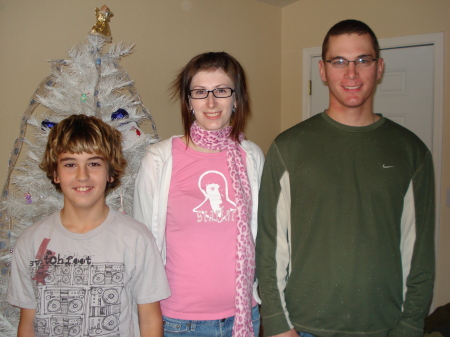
{"points": [[362, 62], [218, 93]]}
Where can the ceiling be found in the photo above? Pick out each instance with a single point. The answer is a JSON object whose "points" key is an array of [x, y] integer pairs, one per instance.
{"points": [[279, 3]]}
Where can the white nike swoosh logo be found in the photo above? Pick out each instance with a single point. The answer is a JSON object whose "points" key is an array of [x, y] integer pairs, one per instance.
{"points": [[386, 166]]}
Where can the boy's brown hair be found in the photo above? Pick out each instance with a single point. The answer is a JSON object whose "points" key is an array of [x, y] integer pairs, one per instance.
{"points": [[81, 133]]}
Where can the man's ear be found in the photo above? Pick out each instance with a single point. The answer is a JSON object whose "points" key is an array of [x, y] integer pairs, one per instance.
{"points": [[322, 70], [380, 68]]}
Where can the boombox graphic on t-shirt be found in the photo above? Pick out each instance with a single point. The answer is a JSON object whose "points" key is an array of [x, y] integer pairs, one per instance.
{"points": [[78, 299]]}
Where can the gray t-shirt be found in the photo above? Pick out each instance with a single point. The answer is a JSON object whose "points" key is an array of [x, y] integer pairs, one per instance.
{"points": [[86, 284]]}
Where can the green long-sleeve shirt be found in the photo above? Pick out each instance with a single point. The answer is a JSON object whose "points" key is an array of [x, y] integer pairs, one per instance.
{"points": [[345, 243]]}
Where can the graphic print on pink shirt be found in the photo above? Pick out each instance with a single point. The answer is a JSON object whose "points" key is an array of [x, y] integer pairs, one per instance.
{"points": [[217, 206], [201, 243]]}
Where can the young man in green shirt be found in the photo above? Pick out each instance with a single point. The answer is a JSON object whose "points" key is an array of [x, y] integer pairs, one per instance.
{"points": [[345, 244]]}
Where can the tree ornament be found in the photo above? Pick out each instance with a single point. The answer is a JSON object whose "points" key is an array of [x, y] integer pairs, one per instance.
{"points": [[28, 199], [46, 124], [119, 114], [84, 97]]}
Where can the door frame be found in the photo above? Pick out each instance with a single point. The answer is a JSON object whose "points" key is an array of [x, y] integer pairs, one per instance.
{"points": [[435, 39]]}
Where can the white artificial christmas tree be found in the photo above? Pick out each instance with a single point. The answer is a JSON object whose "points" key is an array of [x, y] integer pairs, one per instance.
{"points": [[89, 82]]}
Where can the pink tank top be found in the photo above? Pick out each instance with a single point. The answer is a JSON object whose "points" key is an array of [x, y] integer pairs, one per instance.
{"points": [[201, 236]]}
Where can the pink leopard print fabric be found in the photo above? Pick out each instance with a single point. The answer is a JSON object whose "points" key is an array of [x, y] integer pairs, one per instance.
{"points": [[245, 248]]}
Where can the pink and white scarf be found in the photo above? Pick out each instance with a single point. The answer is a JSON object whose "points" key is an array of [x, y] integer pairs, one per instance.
{"points": [[245, 247]]}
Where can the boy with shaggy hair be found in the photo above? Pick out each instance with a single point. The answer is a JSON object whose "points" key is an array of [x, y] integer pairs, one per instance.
{"points": [[87, 269]]}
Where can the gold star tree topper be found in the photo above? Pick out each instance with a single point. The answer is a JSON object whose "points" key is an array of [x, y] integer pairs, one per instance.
{"points": [[102, 25]]}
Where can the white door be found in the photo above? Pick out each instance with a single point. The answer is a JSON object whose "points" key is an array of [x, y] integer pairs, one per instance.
{"points": [[404, 94]]}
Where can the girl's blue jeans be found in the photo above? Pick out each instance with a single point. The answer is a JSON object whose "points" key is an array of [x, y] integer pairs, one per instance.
{"points": [[211, 328]]}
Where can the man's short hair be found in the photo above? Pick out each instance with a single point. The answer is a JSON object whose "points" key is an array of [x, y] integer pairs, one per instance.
{"points": [[81, 133], [350, 27]]}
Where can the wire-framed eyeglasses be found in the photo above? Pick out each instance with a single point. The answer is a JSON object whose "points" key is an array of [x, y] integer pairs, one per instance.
{"points": [[362, 62], [218, 93]]}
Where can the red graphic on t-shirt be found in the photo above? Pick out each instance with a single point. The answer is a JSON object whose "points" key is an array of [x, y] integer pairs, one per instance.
{"points": [[42, 271]]}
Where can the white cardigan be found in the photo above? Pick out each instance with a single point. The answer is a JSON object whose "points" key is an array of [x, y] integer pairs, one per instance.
{"points": [[151, 191]]}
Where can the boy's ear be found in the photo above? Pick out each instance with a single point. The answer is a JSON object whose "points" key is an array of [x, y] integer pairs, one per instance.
{"points": [[55, 177]]}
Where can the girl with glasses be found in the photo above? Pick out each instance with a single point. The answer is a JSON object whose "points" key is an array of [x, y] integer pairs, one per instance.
{"points": [[198, 194]]}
